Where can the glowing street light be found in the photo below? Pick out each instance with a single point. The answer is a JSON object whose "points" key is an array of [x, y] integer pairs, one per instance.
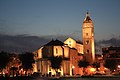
{"points": [[73, 67], [118, 66], [92, 69], [73, 70]]}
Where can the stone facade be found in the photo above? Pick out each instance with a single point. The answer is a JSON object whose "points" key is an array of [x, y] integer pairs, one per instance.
{"points": [[57, 48]]}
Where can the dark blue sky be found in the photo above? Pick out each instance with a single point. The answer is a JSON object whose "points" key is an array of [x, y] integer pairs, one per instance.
{"points": [[65, 17]]}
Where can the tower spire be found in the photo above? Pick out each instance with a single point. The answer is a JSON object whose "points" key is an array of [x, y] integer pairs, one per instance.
{"points": [[87, 14], [87, 18]]}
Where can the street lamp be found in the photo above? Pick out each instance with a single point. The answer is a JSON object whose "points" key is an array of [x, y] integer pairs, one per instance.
{"points": [[118, 67], [73, 70], [73, 67], [92, 70]]}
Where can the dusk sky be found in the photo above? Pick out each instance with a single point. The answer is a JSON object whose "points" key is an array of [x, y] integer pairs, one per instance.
{"points": [[63, 17]]}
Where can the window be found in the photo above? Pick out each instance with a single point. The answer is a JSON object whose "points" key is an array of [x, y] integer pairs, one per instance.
{"points": [[69, 43], [48, 50], [86, 34], [50, 69], [87, 51], [36, 54], [92, 34], [87, 42], [56, 51]]}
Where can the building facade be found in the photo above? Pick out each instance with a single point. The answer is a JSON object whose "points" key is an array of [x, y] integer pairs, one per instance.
{"points": [[70, 57], [78, 45]]}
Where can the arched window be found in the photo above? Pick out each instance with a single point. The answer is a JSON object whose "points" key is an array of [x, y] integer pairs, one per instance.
{"points": [[87, 41], [69, 43], [56, 50], [87, 51]]}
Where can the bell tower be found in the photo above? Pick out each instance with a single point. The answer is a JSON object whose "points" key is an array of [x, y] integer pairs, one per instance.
{"points": [[88, 39]]}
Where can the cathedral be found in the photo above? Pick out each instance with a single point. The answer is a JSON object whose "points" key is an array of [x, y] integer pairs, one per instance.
{"points": [[71, 51]]}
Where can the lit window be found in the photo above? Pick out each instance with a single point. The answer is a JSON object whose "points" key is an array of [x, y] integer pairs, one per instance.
{"points": [[92, 34], [69, 43], [36, 54], [56, 51], [87, 42], [86, 34], [50, 69]]}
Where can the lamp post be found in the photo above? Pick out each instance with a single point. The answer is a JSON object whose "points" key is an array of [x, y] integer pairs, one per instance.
{"points": [[118, 67], [73, 70]]}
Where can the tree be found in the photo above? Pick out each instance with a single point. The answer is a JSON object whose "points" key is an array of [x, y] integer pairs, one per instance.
{"points": [[56, 62], [4, 59], [13, 69], [96, 65], [83, 63], [111, 64], [27, 60]]}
